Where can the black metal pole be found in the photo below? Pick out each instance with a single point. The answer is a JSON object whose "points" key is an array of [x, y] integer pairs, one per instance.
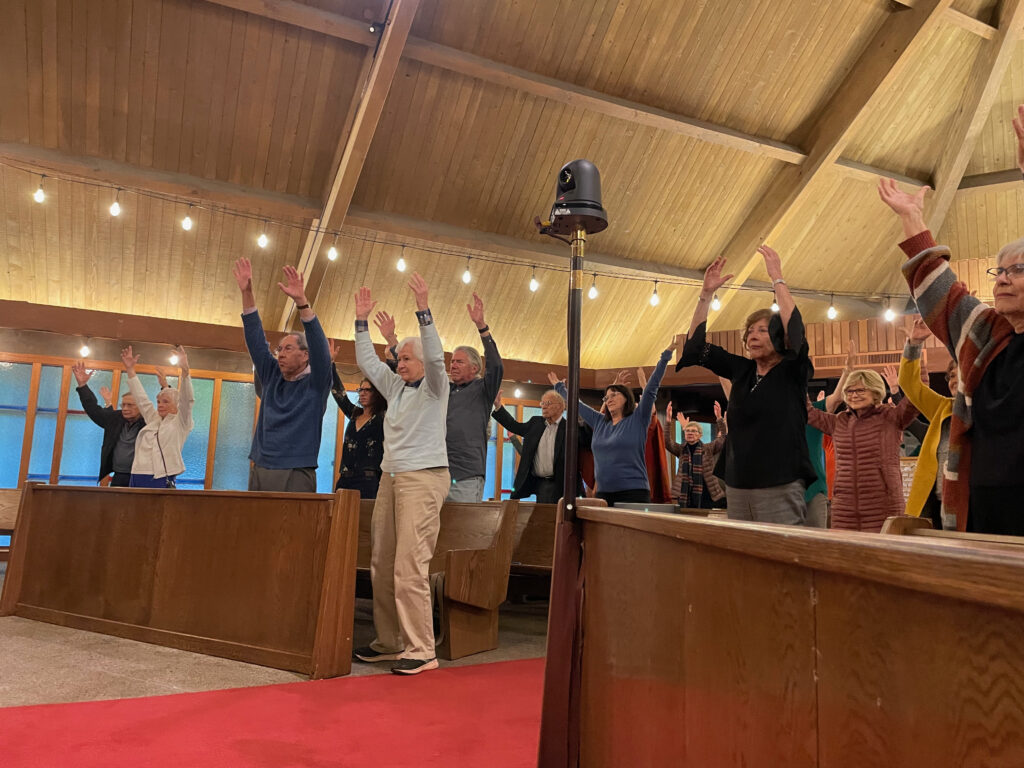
{"points": [[569, 488]]}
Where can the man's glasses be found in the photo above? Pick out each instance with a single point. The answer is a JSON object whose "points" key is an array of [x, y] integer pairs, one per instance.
{"points": [[1012, 271]]}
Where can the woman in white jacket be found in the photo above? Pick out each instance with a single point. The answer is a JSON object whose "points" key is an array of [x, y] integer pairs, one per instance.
{"points": [[158, 447]]}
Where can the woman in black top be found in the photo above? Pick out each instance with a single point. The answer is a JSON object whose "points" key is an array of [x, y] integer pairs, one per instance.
{"points": [[765, 464], [364, 438]]}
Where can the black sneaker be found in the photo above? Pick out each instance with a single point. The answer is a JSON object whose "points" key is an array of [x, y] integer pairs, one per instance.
{"points": [[413, 666], [366, 653]]}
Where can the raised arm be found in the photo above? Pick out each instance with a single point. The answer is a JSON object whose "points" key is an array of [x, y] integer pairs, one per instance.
{"points": [[773, 265], [386, 325], [926, 400], [506, 420], [186, 397], [588, 414], [255, 339], [833, 401], [494, 369], [670, 439], [141, 399], [380, 375], [713, 280], [319, 353], [434, 374], [650, 392], [242, 271], [823, 422], [98, 415], [340, 396]]}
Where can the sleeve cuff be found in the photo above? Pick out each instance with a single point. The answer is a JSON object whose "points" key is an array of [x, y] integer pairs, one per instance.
{"points": [[919, 242], [248, 311], [424, 317], [362, 325]]}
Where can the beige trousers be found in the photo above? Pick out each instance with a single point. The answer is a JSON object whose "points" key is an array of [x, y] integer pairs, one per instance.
{"points": [[403, 533]]}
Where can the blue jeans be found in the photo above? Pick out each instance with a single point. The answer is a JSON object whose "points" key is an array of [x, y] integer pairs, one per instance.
{"points": [[148, 481]]}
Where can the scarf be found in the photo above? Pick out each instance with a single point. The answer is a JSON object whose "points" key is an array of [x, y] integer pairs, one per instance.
{"points": [[691, 470]]}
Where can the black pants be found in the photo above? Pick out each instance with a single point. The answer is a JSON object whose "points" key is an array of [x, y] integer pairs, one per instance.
{"points": [[635, 495], [548, 490], [997, 510], [366, 485], [121, 479]]}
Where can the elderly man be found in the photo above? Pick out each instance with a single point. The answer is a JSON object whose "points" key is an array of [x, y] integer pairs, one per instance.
{"points": [[120, 429], [472, 394], [296, 382], [407, 513], [542, 466]]}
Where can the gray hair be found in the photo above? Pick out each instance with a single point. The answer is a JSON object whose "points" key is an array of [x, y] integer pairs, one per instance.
{"points": [[300, 340], [170, 393], [556, 393], [474, 358], [1016, 248], [415, 342]]}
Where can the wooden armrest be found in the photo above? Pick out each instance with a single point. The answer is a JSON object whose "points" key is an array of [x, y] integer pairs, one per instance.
{"points": [[469, 577]]}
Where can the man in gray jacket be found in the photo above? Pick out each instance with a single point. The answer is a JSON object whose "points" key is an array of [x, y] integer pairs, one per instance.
{"points": [[474, 386]]}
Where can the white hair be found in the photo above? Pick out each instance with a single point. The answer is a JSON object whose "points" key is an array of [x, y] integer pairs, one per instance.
{"points": [[1016, 248], [474, 358], [169, 393], [415, 342], [557, 394]]}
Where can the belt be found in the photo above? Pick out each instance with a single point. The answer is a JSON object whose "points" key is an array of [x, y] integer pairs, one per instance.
{"points": [[372, 473]]}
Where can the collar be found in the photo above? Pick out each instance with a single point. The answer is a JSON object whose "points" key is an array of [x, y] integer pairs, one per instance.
{"points": [[414, 384], [301, 375]]}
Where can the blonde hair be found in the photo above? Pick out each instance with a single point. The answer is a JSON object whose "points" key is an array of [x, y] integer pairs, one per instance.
{"points": [[872, 382]]}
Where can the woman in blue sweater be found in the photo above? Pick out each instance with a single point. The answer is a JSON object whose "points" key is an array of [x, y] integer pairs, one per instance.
{"points": [[620, 436]]}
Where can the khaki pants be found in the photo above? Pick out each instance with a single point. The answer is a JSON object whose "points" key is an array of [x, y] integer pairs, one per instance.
{"points": [[403, 533]]}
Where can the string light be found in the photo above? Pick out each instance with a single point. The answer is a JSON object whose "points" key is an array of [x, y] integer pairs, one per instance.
{"points": [[84, 351], [263, 240], [832, 312], [654, 296], [715, 303], [592, 293], [534, 285], [173, 359], [517, 393], [467, 276], [332, 252], [889, 313], [39, 196], [186, 223], [115, 207], [400, 265], [775, 304]]}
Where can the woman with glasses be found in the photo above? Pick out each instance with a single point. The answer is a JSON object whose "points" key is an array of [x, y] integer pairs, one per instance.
{"points": [[620, 437], [363, 449], [867, 438], [984, 478]]}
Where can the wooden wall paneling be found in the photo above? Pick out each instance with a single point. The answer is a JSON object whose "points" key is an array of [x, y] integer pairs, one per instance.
{"points": [[821, 345], [211, 445], [873, 329], [62, 414], [332, 644], [838, 338], [30, 423], [891, 340]]}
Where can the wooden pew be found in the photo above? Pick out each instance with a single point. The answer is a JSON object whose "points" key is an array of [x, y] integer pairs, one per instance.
{"points": [[266, 578], [715, 643], [921, 529], [471, 563], [9, 500], [535, 539]]}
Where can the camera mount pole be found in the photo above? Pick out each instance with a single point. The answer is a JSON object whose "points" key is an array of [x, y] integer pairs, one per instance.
{"points": [[569, 489]]}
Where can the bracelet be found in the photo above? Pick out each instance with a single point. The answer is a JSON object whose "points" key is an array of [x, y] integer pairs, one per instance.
{"points": [[700, 299], [302, 306], [483, 330], [778, 280]]}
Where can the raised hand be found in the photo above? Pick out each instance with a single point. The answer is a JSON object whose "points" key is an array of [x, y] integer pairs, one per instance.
{"points": [[902, 203], [821, 396], [772, 262], [161, 378], [332, 348], [129, 360], [919, 332], [681, 418], [182, 358], [718, 410], [497, 399], [1018, 128], [476, 311], [418, 286], [668, 412], [386, 325], [892, 378], [82, 376], [242, 270], [641, 378], [623, 377], [553, 378], [294, 285], [713, 278], [107, 395], [364, 303]]}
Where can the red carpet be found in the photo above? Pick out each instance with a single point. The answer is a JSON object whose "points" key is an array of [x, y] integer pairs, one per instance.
{"points": [[486, 715]]}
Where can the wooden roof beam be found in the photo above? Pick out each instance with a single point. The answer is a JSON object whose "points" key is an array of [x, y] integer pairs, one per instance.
{"points": [[356, 143], [992, 181], [976, 103], [884, 58]]}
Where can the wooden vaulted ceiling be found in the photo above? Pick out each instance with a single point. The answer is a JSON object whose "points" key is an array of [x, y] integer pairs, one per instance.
{"points": [[716, 126]]}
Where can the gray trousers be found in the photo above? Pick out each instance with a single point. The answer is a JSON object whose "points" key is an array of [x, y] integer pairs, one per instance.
{"points": [[780, 504], [469, 489], [299, 480], [817, 511]]}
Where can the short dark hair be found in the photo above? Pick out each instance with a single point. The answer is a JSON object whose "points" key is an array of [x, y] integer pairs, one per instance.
{"points": [[950, 370], [753, 317], [627, 407]]}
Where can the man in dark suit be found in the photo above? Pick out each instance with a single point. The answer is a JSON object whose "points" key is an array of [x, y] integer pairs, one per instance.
{"points": [[542, 462], [120, 428]]}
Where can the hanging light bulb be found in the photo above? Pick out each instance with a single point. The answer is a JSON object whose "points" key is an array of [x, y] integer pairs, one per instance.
{"points": [[832, 312], [889, 313], [84, 351], [592, 293], [654, 296], [263, 240], [332, 252], [186, 223], [173, 359], [517, 392], [39, 196], [400, 264], [466, 276], [534, 285], [115, 207], [715, 303], [775, 304]]}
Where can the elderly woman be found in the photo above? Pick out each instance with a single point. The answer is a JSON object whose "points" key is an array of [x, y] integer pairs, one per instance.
{"points": [[867, 437], [158, 447], [363, 447], [765, 464], [984, 480], [620, 437], [407, 514], [695, 485], [926, 490]]}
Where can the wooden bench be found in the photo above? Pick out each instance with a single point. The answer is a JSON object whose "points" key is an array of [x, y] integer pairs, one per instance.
{"points": [[921, 528], [266, 578], [9, 499], [469, 571]]}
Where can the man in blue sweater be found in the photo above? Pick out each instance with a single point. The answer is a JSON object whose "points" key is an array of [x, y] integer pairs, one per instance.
{"points": [[296, 382]]}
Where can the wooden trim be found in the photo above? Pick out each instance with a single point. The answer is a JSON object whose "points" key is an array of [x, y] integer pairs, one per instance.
{"points": [[115, 367], [332, 645], [16, 566], [339, 441], [62, 415], [211, 445], [911, 562], [992, 181], [30, 421], [253, 654], [115, 386]]}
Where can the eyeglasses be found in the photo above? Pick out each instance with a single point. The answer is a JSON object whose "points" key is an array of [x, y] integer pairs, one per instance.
{"points": [[285, 348], [1012, 271], [606, 398], [364, 389], [857, 391]]}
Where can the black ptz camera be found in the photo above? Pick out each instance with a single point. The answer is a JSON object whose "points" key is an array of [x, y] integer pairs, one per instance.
{"points": [[577, 201]]}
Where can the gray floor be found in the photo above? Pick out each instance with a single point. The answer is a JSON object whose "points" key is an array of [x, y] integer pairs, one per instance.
{"points": [[44, 664]]}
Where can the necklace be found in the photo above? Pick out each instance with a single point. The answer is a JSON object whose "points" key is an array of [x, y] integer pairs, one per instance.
{"points": [[758, 378]]}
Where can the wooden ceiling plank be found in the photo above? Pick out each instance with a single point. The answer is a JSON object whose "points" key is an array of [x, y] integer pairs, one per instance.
{"points": [[307, 17], [279, 169], [122, 80], [976, 103], [357, 142], [884, 58]]}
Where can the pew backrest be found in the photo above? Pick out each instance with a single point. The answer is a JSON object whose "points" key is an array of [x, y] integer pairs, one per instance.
{"points": [[9, 500], [919, 527]]}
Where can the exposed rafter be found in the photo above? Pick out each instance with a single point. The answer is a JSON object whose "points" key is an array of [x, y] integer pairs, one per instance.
{"points": [[991, 182], [975, 105], [882, 61]]}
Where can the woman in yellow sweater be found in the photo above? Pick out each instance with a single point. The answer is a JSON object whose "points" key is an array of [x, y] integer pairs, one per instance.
{"points": [[931, 461]]}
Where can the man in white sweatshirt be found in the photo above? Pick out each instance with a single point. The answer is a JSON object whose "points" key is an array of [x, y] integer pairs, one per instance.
{"points": [[413, 485]]}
